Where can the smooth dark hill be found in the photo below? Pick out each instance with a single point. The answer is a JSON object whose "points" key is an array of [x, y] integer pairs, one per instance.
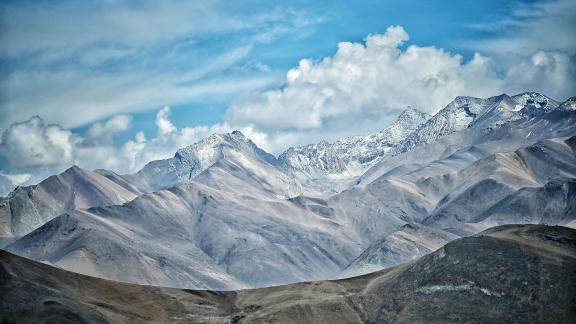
{"points": [[510, 273]]}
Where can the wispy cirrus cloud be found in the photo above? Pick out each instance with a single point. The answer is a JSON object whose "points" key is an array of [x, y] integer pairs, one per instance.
{"points": [[75, 97], [29, 27], [78, 62], [527, 28]]}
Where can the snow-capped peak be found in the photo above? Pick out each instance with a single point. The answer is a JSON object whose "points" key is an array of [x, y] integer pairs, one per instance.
{"points": [[457, 115], [412, 115], [350, 156], [193, 159], [535, 101], [464, 112], [217, 142], [569, 104]]}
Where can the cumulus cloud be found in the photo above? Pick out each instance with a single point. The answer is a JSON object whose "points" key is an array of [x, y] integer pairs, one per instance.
{"points": [[163, 122], [549, 72], [33, 143], [372, 81], [103, 133], [374, 78]]}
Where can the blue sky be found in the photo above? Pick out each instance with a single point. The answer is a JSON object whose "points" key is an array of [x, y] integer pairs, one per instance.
{"points": [[221, 65]]}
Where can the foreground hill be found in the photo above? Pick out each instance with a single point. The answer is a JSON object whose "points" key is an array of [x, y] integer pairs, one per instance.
{"points": [[513, 273]]}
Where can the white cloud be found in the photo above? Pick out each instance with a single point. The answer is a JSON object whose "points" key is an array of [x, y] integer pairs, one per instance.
{"points": [[550, 72], [71, 25], [103, 133], [163, 122], [56, 95], [123, 57], [376, 78], [16, 179], [33, 143]]}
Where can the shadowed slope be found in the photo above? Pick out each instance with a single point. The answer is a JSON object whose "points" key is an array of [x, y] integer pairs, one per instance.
{"points": [[511, 273]]}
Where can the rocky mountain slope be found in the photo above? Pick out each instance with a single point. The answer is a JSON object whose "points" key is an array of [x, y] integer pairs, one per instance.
{"points": [[223, 161], [27, 208], [409, 242], [350, 156], [190, 161], [464, 112], [195, 236], [495, 190], [510, 273], [474, 189]]}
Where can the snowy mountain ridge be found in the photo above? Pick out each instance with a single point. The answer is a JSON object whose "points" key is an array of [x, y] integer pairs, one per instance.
{"points": [[314, 167], [190, 161], [464, 112], [350, 156], [331, 167]]}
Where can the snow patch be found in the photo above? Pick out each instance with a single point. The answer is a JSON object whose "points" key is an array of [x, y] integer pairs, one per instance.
{"points": [[456, 288]]}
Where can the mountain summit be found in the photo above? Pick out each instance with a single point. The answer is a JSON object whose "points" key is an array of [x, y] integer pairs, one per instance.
{"points": [[190, 161]]}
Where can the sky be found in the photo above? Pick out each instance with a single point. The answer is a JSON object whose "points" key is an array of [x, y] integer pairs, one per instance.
{"points": [[115, 84]]}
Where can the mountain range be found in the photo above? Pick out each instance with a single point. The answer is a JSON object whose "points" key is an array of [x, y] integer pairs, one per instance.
{"points": [[224, 214]]}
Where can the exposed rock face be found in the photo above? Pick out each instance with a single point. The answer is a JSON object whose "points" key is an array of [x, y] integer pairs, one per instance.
{"points": [[514, 273], [190, 161], [351, 156]]}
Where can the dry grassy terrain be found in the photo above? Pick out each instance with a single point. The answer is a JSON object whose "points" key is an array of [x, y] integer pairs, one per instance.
{"points": [[512, 273]]}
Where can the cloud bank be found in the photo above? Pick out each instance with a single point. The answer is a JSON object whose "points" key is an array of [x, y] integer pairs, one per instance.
{"points": [[374, 78]]}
